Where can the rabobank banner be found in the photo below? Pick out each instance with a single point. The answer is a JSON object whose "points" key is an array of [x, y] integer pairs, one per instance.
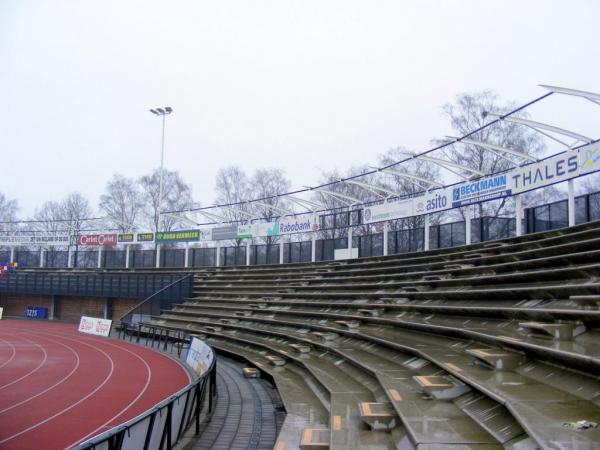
{"points": [[301, 224]]}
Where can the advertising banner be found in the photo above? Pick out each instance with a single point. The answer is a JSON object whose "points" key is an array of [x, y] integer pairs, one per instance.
{"points": [[97, 240], [484, 189], [388, 211], [225, 233], [93, 325], [144, 237], [126, 238], [199, 356], [290, 225], [14, 239], [165, 237], [36, 312], [589, 158], [258, 230], [552, 170]]}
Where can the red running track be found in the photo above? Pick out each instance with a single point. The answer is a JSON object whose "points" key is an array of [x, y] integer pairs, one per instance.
{"points": [[59, 387]]}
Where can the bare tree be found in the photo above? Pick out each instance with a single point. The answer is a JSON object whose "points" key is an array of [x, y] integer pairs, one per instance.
{"points": [[177, 195], [469, 112], [269, 182], [8, 212], [122, 203], [232, 187], [407, 187]]}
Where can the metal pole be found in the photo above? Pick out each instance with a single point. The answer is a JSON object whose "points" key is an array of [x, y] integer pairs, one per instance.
{"points": [[127, 256], [313, 247], [218, 257], [161, 181], [281, 245], [248, 241]]}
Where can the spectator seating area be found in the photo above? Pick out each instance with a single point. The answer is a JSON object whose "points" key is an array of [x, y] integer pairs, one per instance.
{"points": [[491, 345]]}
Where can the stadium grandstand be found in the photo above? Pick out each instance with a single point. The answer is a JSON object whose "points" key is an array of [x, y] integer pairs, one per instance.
{"points": [[475, 334]]}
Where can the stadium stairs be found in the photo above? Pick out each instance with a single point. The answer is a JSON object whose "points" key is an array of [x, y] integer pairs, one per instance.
{"points": [[487, 346]]}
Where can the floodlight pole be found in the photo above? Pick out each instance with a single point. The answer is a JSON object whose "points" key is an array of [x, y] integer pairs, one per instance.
{"points": [[161, 113]]}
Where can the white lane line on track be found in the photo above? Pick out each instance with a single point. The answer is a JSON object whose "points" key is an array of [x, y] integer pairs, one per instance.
{"points": [[73, 405], [105, 425], [32, 371], [62, 380], [14, 352]]}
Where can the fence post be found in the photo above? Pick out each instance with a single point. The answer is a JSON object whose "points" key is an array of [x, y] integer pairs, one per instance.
{"points": [[12, 254], [385, 237], [100, 257], [571, 202], [281, 245], [468, 216], [248, 242], [218, 263], [127, 256], [157, 256], [426, 233], [69, 257], [41, 256], [313, 247], [519, 215], [186, 258]]}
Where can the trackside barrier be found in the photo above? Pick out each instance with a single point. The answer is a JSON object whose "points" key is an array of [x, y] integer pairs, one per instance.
{"points": [[164, 425]]}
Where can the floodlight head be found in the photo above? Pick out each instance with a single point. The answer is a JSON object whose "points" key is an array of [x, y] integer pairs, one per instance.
{"points": [[153, 111], [160, 110], [168, 109]]}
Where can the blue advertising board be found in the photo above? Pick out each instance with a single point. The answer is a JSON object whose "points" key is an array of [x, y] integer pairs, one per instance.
{"points": [[36, 312]]}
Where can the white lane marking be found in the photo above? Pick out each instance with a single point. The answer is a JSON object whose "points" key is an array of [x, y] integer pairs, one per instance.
{"points": [[62, 380], [14, 352], [73, 405], [32, 371]]}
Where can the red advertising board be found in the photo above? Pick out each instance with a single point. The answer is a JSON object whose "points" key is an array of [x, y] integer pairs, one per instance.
{"points": [[97, 239]]}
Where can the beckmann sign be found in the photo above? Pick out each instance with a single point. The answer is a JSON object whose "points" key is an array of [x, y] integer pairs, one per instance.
{"points": [[555, 169]]}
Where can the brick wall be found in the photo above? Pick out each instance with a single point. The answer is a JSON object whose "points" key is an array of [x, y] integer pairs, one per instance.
{"points": [[68, 309], [15, 305]]}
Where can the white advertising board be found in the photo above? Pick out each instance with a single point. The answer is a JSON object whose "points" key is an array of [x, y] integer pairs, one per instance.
{"points": [[94, 325], [199, 356], [558, 168], [14, 239], [302, 224]]}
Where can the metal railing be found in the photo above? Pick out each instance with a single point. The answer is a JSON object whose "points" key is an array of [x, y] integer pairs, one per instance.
{"points": [[158, 301], [165, 424], [95, 284]]}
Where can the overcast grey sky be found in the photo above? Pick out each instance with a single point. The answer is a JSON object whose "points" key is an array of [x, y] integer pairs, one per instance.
{"points": [[301, 85]]}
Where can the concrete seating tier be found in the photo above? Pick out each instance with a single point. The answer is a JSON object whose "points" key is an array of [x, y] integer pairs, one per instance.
{"points": [[469, 347]]}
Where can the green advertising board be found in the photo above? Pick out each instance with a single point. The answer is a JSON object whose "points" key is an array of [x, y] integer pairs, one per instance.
{"points": [[125, 238], [164, 237], [145, 237]]}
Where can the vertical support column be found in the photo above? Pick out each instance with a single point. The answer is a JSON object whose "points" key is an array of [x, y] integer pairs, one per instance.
{"points": [[385, 237], [187, 255], [313, 247], [218, 253], [127, 256], [519, 215], [41, 256], [70, 257], [248, 242], [12, 254], [468, 217], [571, 202], [100, 257], [426, 233], [281, 246], [107, 307], [53, 307], [157, 265]]}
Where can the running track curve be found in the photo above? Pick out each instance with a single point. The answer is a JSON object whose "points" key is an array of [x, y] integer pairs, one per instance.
{"points": [[59, 387]]}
